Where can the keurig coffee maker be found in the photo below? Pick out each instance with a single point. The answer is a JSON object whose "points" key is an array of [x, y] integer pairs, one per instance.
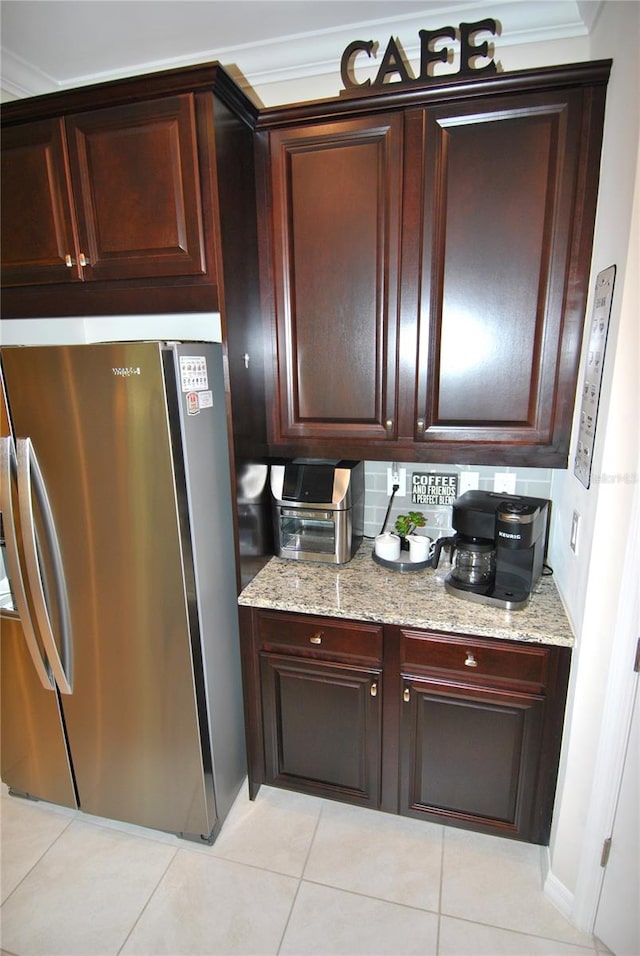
{"points": [[499, 548]]}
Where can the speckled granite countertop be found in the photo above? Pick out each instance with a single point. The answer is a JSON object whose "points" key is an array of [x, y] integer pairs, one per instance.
{"points": [[364, 591]]}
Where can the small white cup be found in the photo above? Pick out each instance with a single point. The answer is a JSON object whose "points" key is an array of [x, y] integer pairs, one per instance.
{"points": [[419, 546], [387, 546]]}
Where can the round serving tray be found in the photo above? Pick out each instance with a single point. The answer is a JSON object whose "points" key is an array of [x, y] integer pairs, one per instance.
{"points": [[400, 564]]}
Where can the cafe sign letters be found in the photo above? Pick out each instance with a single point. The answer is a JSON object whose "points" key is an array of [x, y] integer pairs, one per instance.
{"points": [[432, 51]]}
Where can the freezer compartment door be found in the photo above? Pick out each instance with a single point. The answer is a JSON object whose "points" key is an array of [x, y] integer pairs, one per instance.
{"points": [[34, 753]]}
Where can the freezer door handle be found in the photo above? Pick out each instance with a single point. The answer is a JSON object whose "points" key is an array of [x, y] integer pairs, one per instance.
{"points": [[28, 468], [7, 469]]}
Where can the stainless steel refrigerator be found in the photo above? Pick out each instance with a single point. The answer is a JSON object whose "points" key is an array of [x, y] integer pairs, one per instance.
{"points": [[121, 690]]}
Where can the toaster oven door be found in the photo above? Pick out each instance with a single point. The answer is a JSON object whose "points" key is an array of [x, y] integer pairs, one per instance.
{"points": [[306, 532]]}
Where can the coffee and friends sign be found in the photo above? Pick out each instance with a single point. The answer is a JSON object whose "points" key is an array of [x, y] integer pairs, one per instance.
{"points": [[395, 65], [434, 488]]}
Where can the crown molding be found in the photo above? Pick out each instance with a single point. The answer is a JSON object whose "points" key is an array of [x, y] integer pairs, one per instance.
{"points": [[302, 55]]}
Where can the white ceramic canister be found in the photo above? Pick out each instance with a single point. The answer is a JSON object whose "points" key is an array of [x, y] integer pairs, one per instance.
{"points": [[419, 546], [387, 546]]}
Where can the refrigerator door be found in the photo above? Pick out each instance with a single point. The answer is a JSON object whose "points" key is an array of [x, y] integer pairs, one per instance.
{"points": [[34, 759], [97, 419]]}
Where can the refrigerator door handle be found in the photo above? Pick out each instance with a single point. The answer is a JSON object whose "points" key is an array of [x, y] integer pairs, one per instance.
{"points": [[7, 469], [28, 468]]}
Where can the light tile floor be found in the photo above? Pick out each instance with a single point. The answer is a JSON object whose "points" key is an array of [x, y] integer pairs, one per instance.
{"points": [[288, 874]]}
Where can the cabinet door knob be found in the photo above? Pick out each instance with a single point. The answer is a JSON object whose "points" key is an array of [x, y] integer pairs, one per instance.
{"points": [[69, 261], [406, 695], [316, 638], [374, 689], [420, 426], [389, 424], [470, 660], [83, 260]]}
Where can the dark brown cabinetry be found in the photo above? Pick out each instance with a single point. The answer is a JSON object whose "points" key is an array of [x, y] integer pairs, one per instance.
{"points": [[455, 729], [337, 193], [428, 258], [319, 691], [480, 732], [37, 221], [110, 195]]}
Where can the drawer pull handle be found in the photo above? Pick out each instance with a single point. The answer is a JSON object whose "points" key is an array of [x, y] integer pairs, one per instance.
{"points": [[374, 689], [317, 638], [470, 661], [406, 695]]}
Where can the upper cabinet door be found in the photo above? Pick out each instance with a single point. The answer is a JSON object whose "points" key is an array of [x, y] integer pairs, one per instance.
{"points": [[502, 201], [336, 227], [37, 220], [136, 185]]}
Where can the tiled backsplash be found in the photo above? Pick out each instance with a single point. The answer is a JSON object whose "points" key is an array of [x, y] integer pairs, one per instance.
{"points": [[535, 482]]}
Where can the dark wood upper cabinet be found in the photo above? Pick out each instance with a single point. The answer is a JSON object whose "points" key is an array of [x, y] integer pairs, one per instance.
{"points": [[111, 195], [336, 191], [37, 213], [427, 261], [135, 175], [107, 194], [500, 184]]}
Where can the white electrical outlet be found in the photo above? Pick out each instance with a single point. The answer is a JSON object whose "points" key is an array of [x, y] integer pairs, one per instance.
{"points": [[575, 529], [397, 476], [504, 482], [468, 481]]}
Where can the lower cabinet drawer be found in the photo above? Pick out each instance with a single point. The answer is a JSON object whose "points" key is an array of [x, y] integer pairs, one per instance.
{"points": [[321, 638], [474, 658]]}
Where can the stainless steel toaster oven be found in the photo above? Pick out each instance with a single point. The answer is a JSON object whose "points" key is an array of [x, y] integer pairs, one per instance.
{"points": [[318, 509]]}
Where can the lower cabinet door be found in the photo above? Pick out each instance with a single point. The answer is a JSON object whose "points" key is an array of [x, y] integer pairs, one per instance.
{"points": [[322, 728], [470, 756]]}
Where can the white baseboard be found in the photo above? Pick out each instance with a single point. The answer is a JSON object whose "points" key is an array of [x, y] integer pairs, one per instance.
{"points": [[558, 894]]}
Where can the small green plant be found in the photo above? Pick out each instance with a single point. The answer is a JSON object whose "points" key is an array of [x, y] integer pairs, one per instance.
{"points": [[407, 524]]}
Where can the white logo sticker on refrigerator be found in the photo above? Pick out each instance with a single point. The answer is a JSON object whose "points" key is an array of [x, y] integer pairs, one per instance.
{"points": [[193, 373]]}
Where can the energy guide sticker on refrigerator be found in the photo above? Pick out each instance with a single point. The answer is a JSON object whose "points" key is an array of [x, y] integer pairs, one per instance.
{"points": [[121, 690]]}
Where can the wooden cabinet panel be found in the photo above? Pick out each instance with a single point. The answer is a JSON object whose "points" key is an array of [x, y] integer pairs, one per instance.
{"points": [[470, 755], [500, 184], [336, 239], [135, 175], [37, 219], [321, 728]]}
